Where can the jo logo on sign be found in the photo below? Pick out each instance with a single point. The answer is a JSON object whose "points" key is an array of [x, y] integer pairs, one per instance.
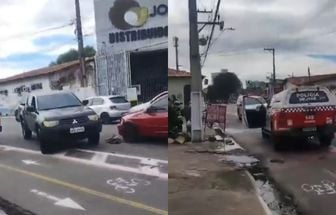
{"points": [[127, 14]]}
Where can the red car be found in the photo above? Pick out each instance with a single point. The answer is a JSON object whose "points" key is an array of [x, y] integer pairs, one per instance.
{"points": [[149, 121]]}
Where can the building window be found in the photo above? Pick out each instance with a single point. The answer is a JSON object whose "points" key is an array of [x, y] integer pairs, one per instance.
{"points": [[4, 92], [36, 86]]}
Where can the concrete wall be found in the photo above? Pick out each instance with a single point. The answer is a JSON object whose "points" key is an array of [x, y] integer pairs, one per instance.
{"points": [[13, 99], [176, 87]]}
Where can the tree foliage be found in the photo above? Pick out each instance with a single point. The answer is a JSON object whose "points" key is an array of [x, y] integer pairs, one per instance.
{"points": [[73, 54], [225, 84]]}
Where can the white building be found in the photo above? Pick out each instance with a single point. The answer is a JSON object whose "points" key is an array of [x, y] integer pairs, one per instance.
{"points": [[132, 46], [325, 80], [59, 77]]}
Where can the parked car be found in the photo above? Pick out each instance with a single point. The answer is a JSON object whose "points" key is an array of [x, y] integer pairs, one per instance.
{"points": [[150, 120], [109, 108], [307, 111], [5, 111], [59, 115], [145, 105], [250, 104]]}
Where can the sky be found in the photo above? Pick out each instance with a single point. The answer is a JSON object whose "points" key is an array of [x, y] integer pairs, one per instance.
{"points": [[303, 33], [32, 34]]}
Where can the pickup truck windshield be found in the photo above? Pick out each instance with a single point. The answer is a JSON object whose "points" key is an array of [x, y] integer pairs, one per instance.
{"points": [[308, 97], [62, 100]]}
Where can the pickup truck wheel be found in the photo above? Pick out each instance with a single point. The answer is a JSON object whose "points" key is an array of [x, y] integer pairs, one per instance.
{"points": [[326, 140], [131, 135], [45, 146], [27, 134], [93, 139]]}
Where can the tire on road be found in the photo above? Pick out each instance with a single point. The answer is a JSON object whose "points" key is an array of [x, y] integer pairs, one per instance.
{"points": [[326, 140], [239, 116], [93, 139], [132, 133], [278, 142], [105, 117], [45, 147], [264, 134], [26, 132]]}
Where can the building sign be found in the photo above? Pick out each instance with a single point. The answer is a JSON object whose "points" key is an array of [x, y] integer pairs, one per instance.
{"points": [[130, 24]]}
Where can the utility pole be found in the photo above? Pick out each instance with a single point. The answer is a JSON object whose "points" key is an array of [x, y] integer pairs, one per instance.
{"points": [[196, 75], [80, 44], [308, 75], [273, 78], [176, 39]]}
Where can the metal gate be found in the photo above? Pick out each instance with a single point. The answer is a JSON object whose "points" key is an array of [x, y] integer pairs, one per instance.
{"points": [[149, 70]]}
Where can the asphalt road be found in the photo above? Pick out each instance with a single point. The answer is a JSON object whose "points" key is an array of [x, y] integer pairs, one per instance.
{"points": [[108, 179], [306, 172]]}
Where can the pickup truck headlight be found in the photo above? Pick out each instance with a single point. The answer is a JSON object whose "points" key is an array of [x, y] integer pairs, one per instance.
{"points": [[93, 117], [50, 123]]}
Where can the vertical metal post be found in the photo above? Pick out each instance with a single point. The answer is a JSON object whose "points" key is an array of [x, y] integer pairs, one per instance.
{"points": [[80, 44], [196, 75], [176, 52]]}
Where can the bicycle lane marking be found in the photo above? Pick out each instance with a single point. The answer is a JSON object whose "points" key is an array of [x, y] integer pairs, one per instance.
{"points": [[323, 186], [75, 187], [143, 170], [127, 186]]}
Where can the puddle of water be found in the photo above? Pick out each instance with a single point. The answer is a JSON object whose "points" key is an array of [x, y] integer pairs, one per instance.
{"points": [[241, 160], [193, 173], [275, 200]]}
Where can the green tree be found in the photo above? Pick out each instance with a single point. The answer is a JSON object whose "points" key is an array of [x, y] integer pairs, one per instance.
{"points": [[72, 55], [225, 84]]}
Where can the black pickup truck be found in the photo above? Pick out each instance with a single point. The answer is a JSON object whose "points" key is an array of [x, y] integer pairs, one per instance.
{"points": [[57, 116]]}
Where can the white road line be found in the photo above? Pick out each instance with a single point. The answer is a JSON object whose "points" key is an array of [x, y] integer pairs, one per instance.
{"points": [[332, 174], [124, 155], [99, 158], [149, 162], [140, 170]]}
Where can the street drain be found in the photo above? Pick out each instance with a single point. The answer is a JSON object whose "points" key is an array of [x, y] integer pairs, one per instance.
{"points": [[277, 202]]}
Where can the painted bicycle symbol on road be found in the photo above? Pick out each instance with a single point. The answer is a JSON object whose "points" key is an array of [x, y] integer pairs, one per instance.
{"points": [[325, 188], [127, 186]]}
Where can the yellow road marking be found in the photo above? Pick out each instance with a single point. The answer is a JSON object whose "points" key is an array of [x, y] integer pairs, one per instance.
{"points": [[88, 191]]}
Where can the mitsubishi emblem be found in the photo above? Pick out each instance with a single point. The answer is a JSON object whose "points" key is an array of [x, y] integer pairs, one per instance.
{"points": [[74, 121]]}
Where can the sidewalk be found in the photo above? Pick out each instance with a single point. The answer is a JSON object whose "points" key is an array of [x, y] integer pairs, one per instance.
{"points": [[200, 184]]}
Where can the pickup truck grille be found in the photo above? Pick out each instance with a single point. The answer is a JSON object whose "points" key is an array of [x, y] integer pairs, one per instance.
{"points": [[70, 121]]}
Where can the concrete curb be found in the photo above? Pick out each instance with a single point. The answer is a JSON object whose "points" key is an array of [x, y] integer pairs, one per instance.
{"points": [[257, 192], [254, 184]]}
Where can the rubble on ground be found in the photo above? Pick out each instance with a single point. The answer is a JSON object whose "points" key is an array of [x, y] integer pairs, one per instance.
{"points": [[181, 138], [115, 139]]}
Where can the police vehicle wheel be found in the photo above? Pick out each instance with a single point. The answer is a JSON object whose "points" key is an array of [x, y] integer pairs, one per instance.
{"points": [[326, 141], [278, 142], [264, 134]]}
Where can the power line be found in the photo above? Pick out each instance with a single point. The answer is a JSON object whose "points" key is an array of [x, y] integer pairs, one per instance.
{"points": [[28, 34], [212, 31], [23, 35]]}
